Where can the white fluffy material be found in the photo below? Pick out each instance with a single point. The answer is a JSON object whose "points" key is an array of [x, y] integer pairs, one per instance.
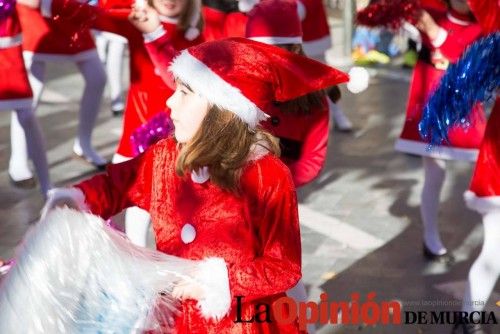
{"points": [[204, 81], [483, 205], [273, 40], [358, 79], [246, 5], [213, 275], [74, 274]]}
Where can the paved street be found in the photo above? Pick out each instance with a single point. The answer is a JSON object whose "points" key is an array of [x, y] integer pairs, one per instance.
{"points": [[360, 222]]}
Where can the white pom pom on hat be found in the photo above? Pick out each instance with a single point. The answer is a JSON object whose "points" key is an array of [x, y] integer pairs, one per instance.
{"points": [[358, 79], [246, 5]]}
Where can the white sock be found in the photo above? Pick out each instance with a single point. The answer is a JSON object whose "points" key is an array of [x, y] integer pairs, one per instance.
{"points": [[435, 173], [137, 225], [19, 159], [299, 293], [485, 271], [36, 147], [338, 116], [114, 67], [95, 80]]}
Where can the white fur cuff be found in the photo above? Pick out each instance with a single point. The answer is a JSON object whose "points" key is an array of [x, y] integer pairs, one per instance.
{"points": [[483, 205], [214, 277], [154, 35], [73, 194]]}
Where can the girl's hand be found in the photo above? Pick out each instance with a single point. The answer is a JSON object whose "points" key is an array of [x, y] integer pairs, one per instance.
{"points": [[188, 289], [427, 25], [145, 19], [30, 3]]}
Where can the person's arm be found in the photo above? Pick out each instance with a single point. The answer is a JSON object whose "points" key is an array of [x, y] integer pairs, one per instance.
{"points": [[313, 153]]}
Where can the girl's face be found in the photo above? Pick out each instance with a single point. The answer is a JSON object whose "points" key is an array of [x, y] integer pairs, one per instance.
{"points": [[460, 6], [188, 110], [170, 8]]}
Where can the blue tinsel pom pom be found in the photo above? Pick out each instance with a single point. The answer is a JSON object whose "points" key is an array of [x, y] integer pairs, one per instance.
{"points": [[474, 78]]}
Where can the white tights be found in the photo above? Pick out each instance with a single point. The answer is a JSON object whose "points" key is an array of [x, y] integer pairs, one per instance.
{"points": [[486, 269], [27, 142], [95, 80], [435, 172]]}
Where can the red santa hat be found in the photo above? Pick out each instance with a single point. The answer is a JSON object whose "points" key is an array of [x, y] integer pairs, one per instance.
{"points": [[275, 22], [245, 76]]}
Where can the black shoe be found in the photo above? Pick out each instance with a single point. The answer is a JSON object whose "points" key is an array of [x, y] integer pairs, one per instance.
{"points": [[117, 112], [99, 167], [467, 329], [24, 184], [442, 258]]}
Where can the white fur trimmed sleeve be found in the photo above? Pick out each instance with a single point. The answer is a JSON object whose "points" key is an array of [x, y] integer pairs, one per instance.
{"points": [[214, 278]]}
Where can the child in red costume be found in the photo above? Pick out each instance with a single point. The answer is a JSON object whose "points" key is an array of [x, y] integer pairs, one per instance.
{"points": [[177, 28], [445, 36], [50, 40], [16, 94], [217, 193]]}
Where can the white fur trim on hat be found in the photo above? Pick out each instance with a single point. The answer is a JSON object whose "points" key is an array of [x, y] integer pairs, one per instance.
{"points": [[213, 275], [217, 91], [246, 5], [273, 40], [483, 205]]}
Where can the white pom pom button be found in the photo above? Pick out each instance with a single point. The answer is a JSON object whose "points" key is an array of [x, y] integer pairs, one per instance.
{"points": [[188, 233]]}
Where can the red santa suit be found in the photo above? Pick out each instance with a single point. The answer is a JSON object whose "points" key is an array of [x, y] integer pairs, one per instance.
{"points": [[484, 193], [48, 39], [316, 32], [214, 15], [303, 140], [15, 90], [255, 234], [147, 93], [456, 33]]}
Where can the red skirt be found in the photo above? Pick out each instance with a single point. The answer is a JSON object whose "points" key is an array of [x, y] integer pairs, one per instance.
{"points": [[15, 89], [463, 142]]}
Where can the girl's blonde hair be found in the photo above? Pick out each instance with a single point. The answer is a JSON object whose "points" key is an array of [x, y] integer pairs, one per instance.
{"points": [[185, 17], [224, 144]]}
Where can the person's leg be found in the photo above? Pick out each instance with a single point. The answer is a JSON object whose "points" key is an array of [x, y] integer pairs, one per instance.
{"points": [[340, 119], [36, 147], [299, 294], [19, 170], [114, 67], [435, 172], [95, 81]]}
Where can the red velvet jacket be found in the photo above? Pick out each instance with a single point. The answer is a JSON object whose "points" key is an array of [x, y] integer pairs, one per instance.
{"points": [[255, 233]]}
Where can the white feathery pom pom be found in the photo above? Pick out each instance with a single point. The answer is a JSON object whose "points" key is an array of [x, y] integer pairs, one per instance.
{"points": [[358, 79]]}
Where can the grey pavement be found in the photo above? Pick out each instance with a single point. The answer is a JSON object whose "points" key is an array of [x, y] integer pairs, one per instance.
{"points": [[360, 223]]}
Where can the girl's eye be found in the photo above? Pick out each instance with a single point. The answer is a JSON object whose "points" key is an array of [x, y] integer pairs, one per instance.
{"points": [[183, 92]]}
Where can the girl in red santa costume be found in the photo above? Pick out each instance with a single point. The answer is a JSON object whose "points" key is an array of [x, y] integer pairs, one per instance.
{"points": [[445, 35], [48, 40], [218, 193], [16, 94], [177, 25]]}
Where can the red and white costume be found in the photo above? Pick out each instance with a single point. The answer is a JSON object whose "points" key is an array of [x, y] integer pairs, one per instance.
{"points": [[147, 93], [256, 235], [456, 33], [15, 89], [484, 193], [214, 15], [316, 32], [48, 39]]}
